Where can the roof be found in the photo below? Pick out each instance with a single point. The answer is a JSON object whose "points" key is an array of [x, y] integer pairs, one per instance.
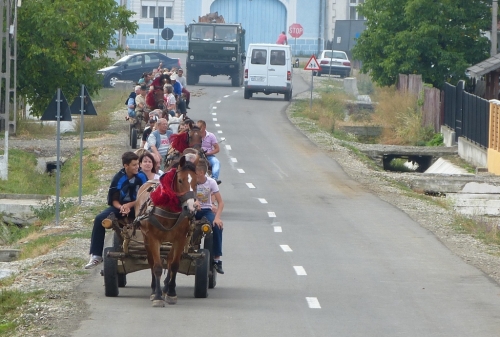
{"points": [[484, 67]]}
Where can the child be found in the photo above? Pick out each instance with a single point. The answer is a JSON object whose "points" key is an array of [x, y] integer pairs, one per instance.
{"points": [[207, 187], [121, 200]]}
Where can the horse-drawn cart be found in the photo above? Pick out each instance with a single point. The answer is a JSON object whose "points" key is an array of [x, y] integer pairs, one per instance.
{"points": [[128, 255], [136, 128]]}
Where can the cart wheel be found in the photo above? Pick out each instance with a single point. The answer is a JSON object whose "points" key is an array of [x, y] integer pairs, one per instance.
{"points": [[122, 280], [201, 275], [110, 274], [133, 138], [212, 274]]}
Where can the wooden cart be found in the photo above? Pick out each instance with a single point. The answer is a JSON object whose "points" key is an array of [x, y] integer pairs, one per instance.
{"points": [[128, 255]]}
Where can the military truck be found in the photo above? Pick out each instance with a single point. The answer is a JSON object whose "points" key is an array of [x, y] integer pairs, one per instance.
{"points": [[215, 48]]}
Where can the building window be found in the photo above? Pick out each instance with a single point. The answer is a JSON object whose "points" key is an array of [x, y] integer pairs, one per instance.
{"points": [[165, 9], [353, 12]]}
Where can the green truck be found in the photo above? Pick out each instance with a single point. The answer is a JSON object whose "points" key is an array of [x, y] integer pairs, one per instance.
{"points": [[215, 49]]}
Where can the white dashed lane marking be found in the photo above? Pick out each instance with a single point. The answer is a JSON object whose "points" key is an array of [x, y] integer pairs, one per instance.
{"points": [[214, 119], [234, 160], [214, 113], [228, 147], [236, 91], [241, 170], [300, 270], [217, 125], [250, 185], [313, 303], [226, 96], [277, 229], [271, 214], [219, 131], [286, 248], [217, 102], [214, 107], [262, 200]]}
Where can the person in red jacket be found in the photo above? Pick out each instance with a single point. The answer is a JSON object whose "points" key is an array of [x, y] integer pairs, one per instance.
{"points": [[282, 38]]}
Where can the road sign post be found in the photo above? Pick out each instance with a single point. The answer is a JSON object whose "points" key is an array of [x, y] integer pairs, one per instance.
{"points": [[295, 30], [313, 66], [167, 34]]}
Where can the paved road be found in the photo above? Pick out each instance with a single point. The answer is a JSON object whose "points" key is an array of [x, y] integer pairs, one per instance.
{"points": [[307, 252]]}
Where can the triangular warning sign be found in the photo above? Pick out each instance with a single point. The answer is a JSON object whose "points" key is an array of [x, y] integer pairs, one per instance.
{"points": [[50, 114], [312, 64], [88, 106]]}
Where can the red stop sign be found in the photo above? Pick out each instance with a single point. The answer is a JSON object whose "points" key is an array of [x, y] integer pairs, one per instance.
{"points": [[295, 30]]}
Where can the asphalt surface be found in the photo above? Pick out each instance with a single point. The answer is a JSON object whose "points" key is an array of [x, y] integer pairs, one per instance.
{"points": [[307, 251]]}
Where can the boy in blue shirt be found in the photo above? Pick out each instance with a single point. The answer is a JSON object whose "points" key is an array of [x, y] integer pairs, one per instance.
{"points": [[121, 200]]}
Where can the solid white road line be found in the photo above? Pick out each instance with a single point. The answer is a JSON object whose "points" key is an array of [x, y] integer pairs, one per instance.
{"points": [[228, 147], [300, 270], [262, 200], [277, 229], [271, 214], [250, 185], [241, 171], [286, 248], [313, 303], [234, 160]]}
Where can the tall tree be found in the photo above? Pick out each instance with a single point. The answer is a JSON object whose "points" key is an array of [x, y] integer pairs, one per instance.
{"points": [[62, 44], [438, 39]]}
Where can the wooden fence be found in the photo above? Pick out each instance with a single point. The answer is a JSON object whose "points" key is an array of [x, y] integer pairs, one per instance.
{"points": [[432, 113]]}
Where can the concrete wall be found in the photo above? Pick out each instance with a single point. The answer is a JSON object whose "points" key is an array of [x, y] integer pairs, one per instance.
{"points": [[448, 136], [472, 153]]}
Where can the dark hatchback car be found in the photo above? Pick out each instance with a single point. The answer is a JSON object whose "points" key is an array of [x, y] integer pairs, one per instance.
{"points": [[131, 67]]}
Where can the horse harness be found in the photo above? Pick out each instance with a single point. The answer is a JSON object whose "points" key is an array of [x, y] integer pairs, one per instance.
{"points": [[150, 212]]}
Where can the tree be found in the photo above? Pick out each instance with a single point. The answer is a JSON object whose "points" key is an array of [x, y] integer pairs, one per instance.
{"points": [[62, 44], [438, 39]]}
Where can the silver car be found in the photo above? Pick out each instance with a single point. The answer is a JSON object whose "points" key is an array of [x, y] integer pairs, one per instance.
{"points": [[334, 62]]}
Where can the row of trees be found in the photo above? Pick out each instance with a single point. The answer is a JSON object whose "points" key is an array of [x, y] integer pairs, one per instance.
{"points": [[62, 44], [438, 39]]}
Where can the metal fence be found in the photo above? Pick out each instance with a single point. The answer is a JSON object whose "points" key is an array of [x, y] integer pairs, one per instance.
{"points": [[467, 114]]}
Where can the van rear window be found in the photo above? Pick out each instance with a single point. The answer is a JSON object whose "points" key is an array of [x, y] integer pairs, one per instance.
{"points": [[259, 56], [278, 57]]}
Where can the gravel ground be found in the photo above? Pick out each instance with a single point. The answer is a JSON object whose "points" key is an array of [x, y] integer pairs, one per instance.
{"points": [[60, 271]]}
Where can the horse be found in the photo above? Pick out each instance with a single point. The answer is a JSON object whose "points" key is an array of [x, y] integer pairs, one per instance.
{"points": [[164, 215], [156, 100], [182, 141]]}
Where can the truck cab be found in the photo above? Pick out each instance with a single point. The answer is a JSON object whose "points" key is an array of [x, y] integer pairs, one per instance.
{"points": [[215, 49]]}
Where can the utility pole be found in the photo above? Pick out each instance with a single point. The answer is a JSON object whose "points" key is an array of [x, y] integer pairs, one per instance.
{"points": [[494, 28]]}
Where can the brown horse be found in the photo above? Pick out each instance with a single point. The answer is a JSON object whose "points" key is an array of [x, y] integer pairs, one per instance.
{"points": [[181, 141], [156, 100], [164, 215]]}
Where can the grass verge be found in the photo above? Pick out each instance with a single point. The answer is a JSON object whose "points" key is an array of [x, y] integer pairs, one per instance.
{"points": [[11, 302]]}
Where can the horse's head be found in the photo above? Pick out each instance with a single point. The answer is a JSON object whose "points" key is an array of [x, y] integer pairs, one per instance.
{"points": [[184, 183], [195, 138]]}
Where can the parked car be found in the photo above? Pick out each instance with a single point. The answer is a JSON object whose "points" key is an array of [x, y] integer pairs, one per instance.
{"points": [[334, 62], [131, 67]]}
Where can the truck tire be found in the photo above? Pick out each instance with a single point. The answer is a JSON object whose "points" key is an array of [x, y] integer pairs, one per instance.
{"points": [[236, 79], [191, 78], [247, 94], [288, 96]]}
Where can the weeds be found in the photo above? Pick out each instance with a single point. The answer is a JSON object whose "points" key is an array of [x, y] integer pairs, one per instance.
{"points": [[47, 210], [480, 227], [11, 303]]}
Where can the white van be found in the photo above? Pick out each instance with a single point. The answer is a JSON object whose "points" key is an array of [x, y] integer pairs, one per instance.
{"points": [[268, 69]]}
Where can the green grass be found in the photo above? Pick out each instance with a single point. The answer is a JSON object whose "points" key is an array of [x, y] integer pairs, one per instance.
{"points": [[11, 303], [24, 179]]}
